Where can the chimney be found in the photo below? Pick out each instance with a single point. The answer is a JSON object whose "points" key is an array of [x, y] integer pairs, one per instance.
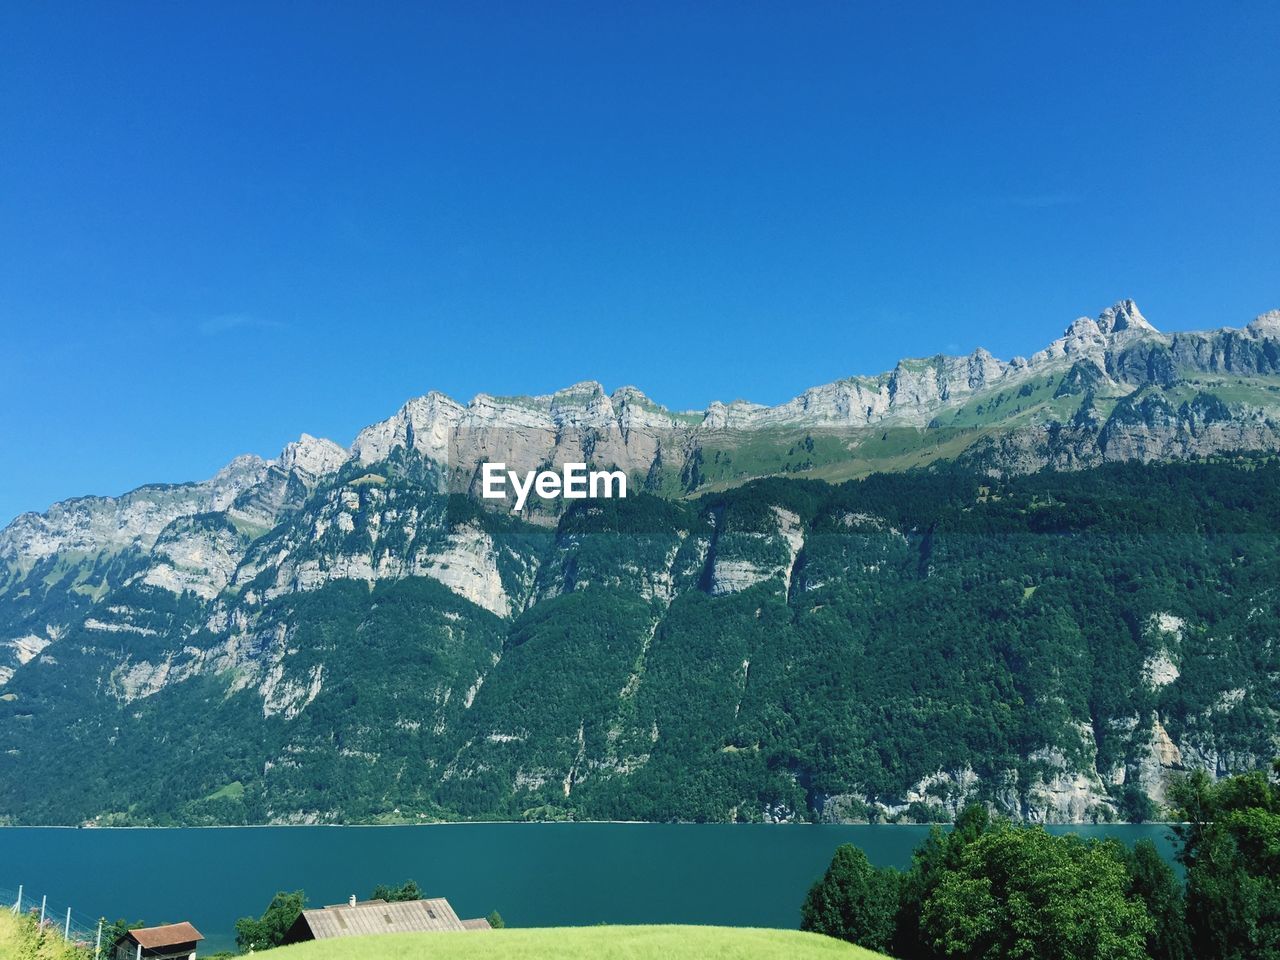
{"points": [[352, 901]]}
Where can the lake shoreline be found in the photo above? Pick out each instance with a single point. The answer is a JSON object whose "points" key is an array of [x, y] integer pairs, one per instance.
{"points": [[579, 875]]}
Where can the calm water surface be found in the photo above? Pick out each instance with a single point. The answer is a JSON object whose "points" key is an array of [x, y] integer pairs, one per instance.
{"points": [[534, 874]]}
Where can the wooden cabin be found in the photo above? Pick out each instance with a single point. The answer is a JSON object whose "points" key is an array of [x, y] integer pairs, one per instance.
{"points": [[358, 918], [173, 941]]}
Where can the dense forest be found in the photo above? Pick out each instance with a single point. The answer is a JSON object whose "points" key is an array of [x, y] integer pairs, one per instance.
{"points": [[1059, 646]]}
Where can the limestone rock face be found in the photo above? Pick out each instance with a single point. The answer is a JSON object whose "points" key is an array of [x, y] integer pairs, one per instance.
{"points": [[1066, 788], [468, 566], [248, 487], [21, 650], [580, 424], [1159, 670], [199, 554], [93, 524], [312, 457], [743, 559], [1124, 317], [182, 538], [370, 533], [1157, 763], [627, 430]]}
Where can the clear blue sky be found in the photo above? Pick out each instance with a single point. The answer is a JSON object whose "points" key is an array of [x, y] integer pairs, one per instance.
{"points": [[224, 225]]}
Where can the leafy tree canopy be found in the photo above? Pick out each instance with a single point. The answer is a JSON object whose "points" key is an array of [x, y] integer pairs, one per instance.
{"points": [[409, 890], [1231, 850], [1023, 894], [854, 901], [268, 930]]}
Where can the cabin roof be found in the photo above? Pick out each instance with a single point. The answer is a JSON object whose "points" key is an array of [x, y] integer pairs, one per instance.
{"points": [[377, 916], [479, 923], [169, 935]]}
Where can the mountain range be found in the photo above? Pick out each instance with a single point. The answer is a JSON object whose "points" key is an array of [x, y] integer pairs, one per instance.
{"points": [[348, 633]]}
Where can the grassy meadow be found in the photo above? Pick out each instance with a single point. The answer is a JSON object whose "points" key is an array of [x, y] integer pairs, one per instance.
{"points": [[584, 943]]}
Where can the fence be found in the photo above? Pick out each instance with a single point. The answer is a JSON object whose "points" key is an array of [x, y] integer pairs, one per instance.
{"points": [[58, 919]]}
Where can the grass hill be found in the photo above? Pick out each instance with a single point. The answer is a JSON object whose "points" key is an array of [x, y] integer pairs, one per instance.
{"points": [[587, 943], [19, 939]]}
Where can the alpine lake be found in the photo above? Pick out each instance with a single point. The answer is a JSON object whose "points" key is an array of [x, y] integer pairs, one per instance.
{"points": [[534, 874]]}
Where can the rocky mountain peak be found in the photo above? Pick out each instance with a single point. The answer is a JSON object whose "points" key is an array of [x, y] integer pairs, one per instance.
{"points": [[420, 424], [630, 395], [246, 464], [626, 428], [1082, 328], [1123, 316], [312, 456], [583, 389], [1266, 325], [635, 410]]}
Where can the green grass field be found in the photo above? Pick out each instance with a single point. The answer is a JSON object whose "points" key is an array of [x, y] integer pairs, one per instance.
{"points": [[583, 943], [20, 940]]}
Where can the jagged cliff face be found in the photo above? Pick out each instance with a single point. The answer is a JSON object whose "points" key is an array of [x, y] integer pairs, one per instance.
{"points": [[178, 537], [1110, 389], [169, 588], [1054, 409]]}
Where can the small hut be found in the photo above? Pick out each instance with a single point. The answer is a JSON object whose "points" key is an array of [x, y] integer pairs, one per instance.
{"points": [[173, 941]]}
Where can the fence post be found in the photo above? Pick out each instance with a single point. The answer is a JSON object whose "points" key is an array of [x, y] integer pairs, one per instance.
{"points": [[97, 947], [17, 907], [66, 931], [43, 901]]}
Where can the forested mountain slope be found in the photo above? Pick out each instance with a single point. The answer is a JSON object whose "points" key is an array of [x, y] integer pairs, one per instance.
{"points": [[1057, 644]]}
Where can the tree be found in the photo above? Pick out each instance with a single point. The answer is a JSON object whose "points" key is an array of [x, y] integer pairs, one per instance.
{"points": [[112, 931], [1135, 805], [1153, 881], [1022, 894], [1231, 851], [853, 901], [940, 853], [496, 921], [409, 890], [268, 930]]}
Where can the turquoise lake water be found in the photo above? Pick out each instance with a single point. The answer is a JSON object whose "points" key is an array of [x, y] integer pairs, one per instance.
{"points": [[534, 874]]}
